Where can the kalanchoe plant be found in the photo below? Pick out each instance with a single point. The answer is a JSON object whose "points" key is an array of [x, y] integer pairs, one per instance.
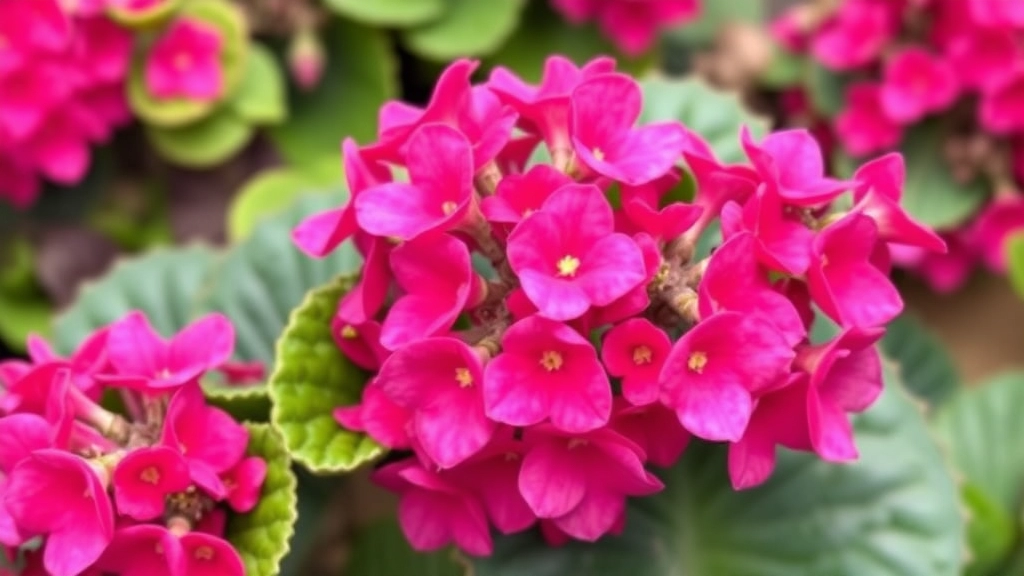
{"points": [[147, 492], [542, 324]]}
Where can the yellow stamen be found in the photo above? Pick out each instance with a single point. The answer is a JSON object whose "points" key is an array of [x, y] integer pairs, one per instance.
{"points": [[204, 553], [568, 266], [697, 362], [551, 360], [150, 475], [598, 154], [349, 332], [576, 443], [463, 377], [448, 207], [642, 355]]}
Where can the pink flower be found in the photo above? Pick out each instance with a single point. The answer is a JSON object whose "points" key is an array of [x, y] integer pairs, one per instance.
{"points": [[717, 184], [144, 550], [917, 83], [568, 258], [982, 56], [605, 109], [379, 416], [360, 343], [244, 482], [994, 226], [141, 358], [208, 555], [782, 241], [366, 298], [1002, 103], [654, 428], [714, 370], [493, 475], [997, 13], [433, 379], [520, 195], [145, 477], [635, 351], [856, 34], [595, 473], [185, 62], [780, 418], [946, 273], [59, 495], [631, 25], [437, 276], [844, 282], [547, 371], [439, 196], [434, 512], [791, 164], [863, 127], [649, 207]]}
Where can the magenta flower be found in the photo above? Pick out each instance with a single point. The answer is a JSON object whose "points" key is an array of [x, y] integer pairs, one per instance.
{"points": [[791, 164], [547, 371], [142, 358], [635, 351], [434, 379], [520, 195], [863, 127], [144, 550], [714, 370], [917, 83], [982, 56], [360, 343], [568, 258], [717, 184], [595, 472], [434, 512], [59, 495], [439, 196], [844, 282], [493, 475], [366, 298], [856, 34], [779, 419], [994, 226], [1002, 103], [997, 13], [782, 241], [209, 555], [632, 26], [185, 62], [379, 416], [650, 211], [437, 276], [605, 109], [654, 428], [145, 477]]}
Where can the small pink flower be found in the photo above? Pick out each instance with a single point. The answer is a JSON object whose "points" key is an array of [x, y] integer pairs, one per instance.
{"points": [[650, 210], [1002, 103], [782, 241], [145, 477], [243, 373], [633, 26], [605, 109], [791, 164], [493, 474], [208, 555], [994, 226], [520, 195], [439, 196], [144, 550], [362, 303], [948, 272], [360, 343], [434, 512], [433, 379], [844, 282], [185, 62], [379, 416], [917, 83], [863, 126], [595, 472], [983, 55], [998, 13], [856, 34], [244, 482], [547, 371], [714, 370], [655, 429], [635, 351], [779, 419], [717, 184], [21, 435], [568, 258]]}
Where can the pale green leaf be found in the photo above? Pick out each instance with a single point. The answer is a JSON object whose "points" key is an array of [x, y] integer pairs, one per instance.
{"points": [[396, 13], [260, 98], [467, 28]]}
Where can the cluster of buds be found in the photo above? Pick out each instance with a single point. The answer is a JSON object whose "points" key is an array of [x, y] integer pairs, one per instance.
{"points": [[62, 68], [914, 59], [632, 25], [541, 331], [103, 493]]}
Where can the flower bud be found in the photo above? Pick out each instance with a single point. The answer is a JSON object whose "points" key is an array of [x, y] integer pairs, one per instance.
{"points": [[306, 59]]}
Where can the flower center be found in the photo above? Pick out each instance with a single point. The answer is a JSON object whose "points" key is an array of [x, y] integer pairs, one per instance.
{"points": [[204, 553], [568, 266], [182, 62], [448, 207], [697, 362], [164, 374], [349, 332], [642, 355], [463, 377], [551, 360], [150, 475], [576, 443], [598, 154]]}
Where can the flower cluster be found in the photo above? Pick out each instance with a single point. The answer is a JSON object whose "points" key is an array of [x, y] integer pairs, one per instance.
{"points": [[105, 494], [632, 25], [62, 68], [540, 331], [910, 60]]}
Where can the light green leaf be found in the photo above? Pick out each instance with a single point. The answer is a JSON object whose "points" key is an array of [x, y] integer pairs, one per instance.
{"points": [[204, 144], [21, 315], [381, 549], [273, 191], [716, 116], [990, 532], [467, 28], [786, 68], [1015, 260], [359, 77], [144, 18], [313, 378], [260, 98], [925, 366], [396, 13], [931, 195], [261, 536], [893, 513], [163, 284]]}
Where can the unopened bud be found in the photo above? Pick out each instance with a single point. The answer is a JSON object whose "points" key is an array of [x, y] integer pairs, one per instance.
{"points": [[306, 59]]}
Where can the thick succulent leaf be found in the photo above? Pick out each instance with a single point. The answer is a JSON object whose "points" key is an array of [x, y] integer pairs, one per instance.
{"points": [[925, 366], [310, 380], [893, 513], [260, 98], [359, 76], [717, 116], [164, 284], [380, 549], [1015, 259], [143, 18], [467, 28], [274, 191], [261, 536], [396, 13], [203, 144], [931, 195]]}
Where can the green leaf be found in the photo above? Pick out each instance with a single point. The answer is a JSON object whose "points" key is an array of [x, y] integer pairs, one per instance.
{"points": [[273, 191], [142, 19], [312, 378], [990, 531], [21, 315], [892, 513], [204, 144], [713, 16], [825, 88], [925, 366], [785, 69], [1015, 260], [359, 77], [260, 98], [931, 195], [381, 549], [717, 116], [468, 28], [389, 13], [163, 284], [261, 536]]}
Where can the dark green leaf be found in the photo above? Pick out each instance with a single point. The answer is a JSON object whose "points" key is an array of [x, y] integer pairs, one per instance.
{"points": [[931, 195], [382, 550], [925, 366]]}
